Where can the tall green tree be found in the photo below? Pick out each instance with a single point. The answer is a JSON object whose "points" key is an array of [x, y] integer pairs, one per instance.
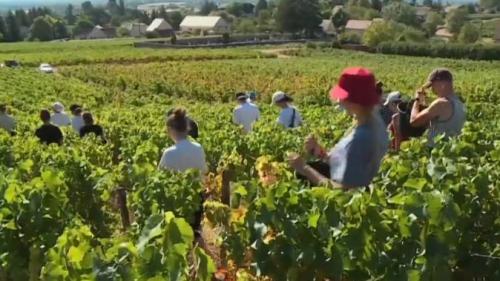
{"points": [[22, 18], [456, 19], [122, 7], [87, 7], [339, 18], [13, 30], [175, 19], [113, 7], [298, 15], [261, 5], [207, 7], [162, 13], [42, 29], [3, 29], [69, 15]]}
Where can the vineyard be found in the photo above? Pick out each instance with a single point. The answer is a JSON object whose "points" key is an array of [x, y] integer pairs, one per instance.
{"points": [[429, 215]]}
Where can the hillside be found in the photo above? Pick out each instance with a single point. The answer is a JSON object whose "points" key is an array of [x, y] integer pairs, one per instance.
{"points": [[428, 215]]}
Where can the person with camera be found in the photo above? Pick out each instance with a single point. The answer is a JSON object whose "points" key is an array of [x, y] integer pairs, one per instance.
{"points": [[446, 115]]}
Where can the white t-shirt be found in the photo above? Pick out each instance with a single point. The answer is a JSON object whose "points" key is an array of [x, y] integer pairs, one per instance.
{"points": [[246, 114], [7, 122], [60, 119], [286, 115], [77, 123], [182, 156]]}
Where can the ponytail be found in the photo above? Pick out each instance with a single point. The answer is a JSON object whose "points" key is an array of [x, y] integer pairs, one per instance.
{"points": [[177, 120]]}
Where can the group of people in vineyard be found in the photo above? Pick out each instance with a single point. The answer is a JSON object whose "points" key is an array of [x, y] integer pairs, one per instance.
{"points": [[50, 131], [356, 158]]}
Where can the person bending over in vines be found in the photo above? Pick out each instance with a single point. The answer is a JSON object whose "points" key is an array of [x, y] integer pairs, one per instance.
{"points": [[356, 159]]}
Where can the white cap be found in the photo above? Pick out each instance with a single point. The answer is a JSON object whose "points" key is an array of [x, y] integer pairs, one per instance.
{"points": [[392, 97], [58, 107], [279, 96]]}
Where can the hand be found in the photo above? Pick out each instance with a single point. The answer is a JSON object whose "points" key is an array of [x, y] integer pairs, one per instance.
{"points": [[420, 96], [297, 162], [312, 146]]}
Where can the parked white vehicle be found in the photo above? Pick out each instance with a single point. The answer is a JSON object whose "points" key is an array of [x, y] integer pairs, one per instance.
{"points": [[46, 68]]}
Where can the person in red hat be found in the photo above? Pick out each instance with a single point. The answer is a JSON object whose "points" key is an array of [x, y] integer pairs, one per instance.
{"points": [[356, 158]]}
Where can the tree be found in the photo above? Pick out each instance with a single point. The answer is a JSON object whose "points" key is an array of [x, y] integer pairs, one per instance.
{"points": [[175, 19], [427, 3], [42, 30], [235, 9], [207, 7], [400, 12], [456, 19], [22, 18], [298, 15], [248, 8], [261, 5], [69, 16], [380, 32], [99, 16], [377, 5], [431, 23], [113, 7], [469, 33], [3, 29], [13, 33], [144, 18], [162, 13], [60, 30], [339, 18], [122, 7], [82, 26], [87, 7]]}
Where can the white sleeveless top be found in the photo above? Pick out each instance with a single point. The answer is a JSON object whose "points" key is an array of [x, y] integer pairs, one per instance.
{"points": [[451, 127]]}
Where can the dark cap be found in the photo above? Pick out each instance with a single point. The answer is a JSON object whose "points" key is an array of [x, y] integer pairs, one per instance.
{"points": [[241, 96], [439, 74]]}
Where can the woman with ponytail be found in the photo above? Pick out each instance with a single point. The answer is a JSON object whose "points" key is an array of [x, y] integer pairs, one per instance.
{"points": [[184, 154]]}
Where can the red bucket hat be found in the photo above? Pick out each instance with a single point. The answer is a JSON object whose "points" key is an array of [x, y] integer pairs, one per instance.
{"points": [[356, 85]]}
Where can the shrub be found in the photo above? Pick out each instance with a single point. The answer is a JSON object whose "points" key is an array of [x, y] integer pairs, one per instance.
{"points": [[350, 38], [450, 50]]}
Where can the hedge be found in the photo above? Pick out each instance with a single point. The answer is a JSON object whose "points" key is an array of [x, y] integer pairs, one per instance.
{"points": [[448, 50]]}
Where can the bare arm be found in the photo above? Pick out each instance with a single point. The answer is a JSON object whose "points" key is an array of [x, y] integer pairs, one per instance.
{"points": [[421, 118]]}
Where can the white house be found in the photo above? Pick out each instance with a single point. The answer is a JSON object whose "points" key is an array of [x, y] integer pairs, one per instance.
{"points": [[443, 33], [160, 26], [99, 32], [358, 26], [205, 24]]}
